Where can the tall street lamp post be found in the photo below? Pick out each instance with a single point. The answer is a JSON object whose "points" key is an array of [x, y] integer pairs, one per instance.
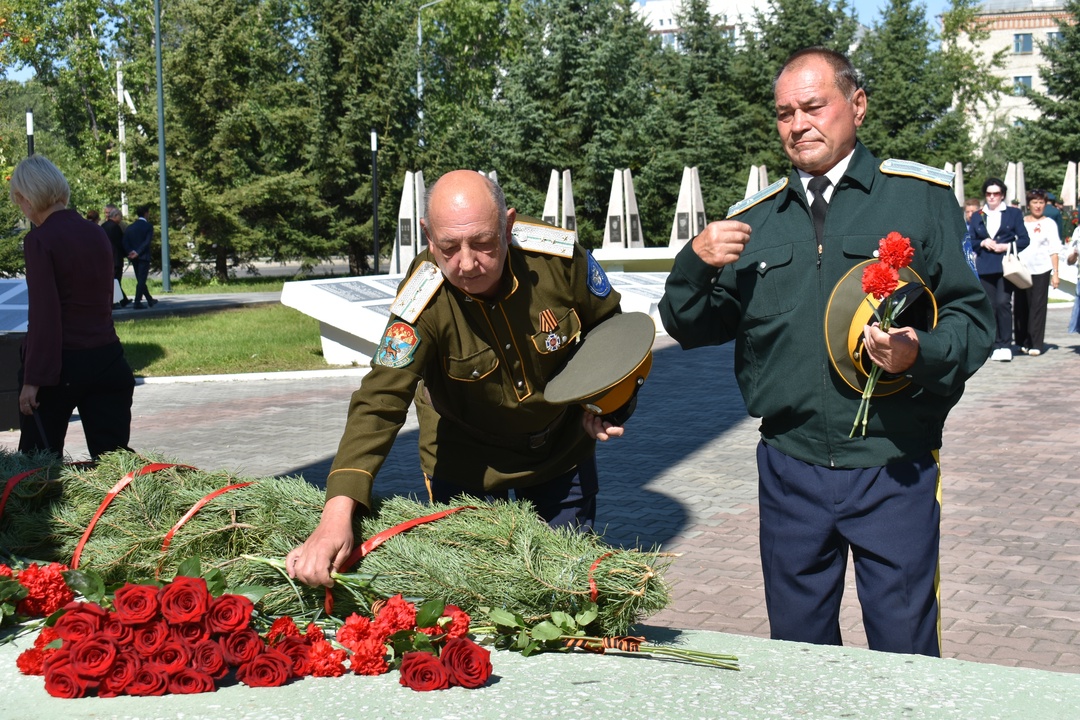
{"points": [[375, 200]]}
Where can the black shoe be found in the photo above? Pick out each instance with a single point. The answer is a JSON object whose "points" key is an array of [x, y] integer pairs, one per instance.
{"points": [[151, 302], [138, 306], [124, 302]]}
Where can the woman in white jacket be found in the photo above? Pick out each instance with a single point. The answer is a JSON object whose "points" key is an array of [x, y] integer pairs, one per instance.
{"points": [[1041, 258]]}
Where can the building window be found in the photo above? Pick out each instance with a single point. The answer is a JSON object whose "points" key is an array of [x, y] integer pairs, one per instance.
{"points": [[1053, 38], [1021, 84], [1022, 44]]}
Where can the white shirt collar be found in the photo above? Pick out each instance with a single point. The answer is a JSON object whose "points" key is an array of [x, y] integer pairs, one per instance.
{"points": [[834, 174]]}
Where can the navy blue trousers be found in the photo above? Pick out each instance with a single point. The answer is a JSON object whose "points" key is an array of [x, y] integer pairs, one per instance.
{"points": [[888, 516], [568, 500]]}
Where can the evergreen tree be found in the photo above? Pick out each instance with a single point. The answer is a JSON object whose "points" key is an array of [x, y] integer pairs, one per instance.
{"points": [[910, 112]]}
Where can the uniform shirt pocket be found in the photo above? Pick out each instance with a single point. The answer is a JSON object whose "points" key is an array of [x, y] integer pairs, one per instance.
{"points": [[475, 367], [548, 342], [861, 247], [767, 282]]}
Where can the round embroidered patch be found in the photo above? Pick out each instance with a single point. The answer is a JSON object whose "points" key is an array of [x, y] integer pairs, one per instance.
{"points": [[598, 281], [397, 346]]}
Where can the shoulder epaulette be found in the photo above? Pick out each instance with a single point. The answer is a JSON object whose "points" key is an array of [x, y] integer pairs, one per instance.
{"points": [[417, 292], [542, 238], [757, 197], [907, 168]]}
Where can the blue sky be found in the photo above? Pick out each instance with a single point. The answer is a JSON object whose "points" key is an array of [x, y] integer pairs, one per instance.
{"points": [[869, 11]]}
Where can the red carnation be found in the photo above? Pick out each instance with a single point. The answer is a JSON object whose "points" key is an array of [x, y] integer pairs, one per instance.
{"points": [[5, 571], [31, 662], [469, 664], [121, 675], [356, 629], [397, 614], [313, 633], [895, 250], [134, 604], [282, 628], [459, 621], [81, 620], [423, 671], [188, 681], [270, 669], [45, 637], [207, 657], [326, 661], [369, 657], [46, 590], [880, 280], [229, 613], [185, 599], [241, 647]]}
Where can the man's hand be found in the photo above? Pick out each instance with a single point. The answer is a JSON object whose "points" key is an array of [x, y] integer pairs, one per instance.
{"points": [[28, 401], [599, 429], [132, 255], [893, 352], [722, 242], [328, 546]]}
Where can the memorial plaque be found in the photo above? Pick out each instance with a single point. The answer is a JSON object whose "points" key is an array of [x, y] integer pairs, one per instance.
{"points": [[683, 230], [356, 291], [405, 232]]}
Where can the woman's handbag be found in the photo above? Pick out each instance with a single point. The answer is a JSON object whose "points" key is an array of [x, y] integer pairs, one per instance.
{"points": [[1014, 268]]}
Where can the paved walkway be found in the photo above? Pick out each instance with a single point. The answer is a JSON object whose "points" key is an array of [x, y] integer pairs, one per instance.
{"points": [[685, 479]]}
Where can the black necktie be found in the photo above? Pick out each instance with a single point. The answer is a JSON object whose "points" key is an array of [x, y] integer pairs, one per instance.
{"points": [[820, 206]]}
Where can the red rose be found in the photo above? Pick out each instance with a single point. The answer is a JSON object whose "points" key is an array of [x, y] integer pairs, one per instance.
{"points": [[229, 613], [62, 681], [135, 604], [148, 681], [895, 251], [81, 620], [422, 671], [206, 657], [370, 658], [117, 631], [190, 634], [47, 591], [188, 681], [93, 657], [271, 669], [282, 628], [469, 664], [150, 636], [120, 676], [299, 652], [241, 647], [397, 614], [171, 657], [185, 599], [880, 280], [31, 662]]}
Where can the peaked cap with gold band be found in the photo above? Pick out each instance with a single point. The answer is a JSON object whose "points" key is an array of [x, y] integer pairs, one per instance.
{"points": [[607, 368], [850, 309]]}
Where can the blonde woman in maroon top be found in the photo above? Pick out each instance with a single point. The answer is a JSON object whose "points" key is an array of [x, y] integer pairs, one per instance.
{"points": [[72, 357]]}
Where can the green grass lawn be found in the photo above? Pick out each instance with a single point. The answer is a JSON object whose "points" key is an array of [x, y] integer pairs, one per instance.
{"points": [[270, 338], [180, 287]]}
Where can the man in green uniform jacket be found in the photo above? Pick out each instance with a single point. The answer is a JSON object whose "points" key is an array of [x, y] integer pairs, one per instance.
{"points": [[763, 278], [488, 314]]}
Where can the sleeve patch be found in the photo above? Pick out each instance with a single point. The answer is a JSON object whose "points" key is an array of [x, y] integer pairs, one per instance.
{"points": [[598, 280], [398, 346]]}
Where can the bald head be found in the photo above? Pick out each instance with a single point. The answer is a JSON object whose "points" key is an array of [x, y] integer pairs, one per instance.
{"points": [[466, 223]]}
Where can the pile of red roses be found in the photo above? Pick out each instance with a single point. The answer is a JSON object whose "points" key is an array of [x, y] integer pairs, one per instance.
{"points": [[46, 591], [177, 639]]}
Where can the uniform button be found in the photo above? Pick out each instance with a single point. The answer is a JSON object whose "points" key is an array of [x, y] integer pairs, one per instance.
{"points": [[564, 338], [520, 384], [762, 265], [877, 253], [468, 299], [476, 373], [507, 346]]}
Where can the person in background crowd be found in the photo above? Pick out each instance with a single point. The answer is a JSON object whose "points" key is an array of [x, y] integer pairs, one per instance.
{"points": [[137, 248], [1054, 213], [971, 206], [763, 278], [993, 229], [92, 216], [113, 228], [1071, 257], [71, 357], [1041, 258]]}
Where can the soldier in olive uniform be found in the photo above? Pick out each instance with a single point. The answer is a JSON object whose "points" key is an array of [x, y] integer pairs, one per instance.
{"points": [[763, 278], [488, 314]]}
